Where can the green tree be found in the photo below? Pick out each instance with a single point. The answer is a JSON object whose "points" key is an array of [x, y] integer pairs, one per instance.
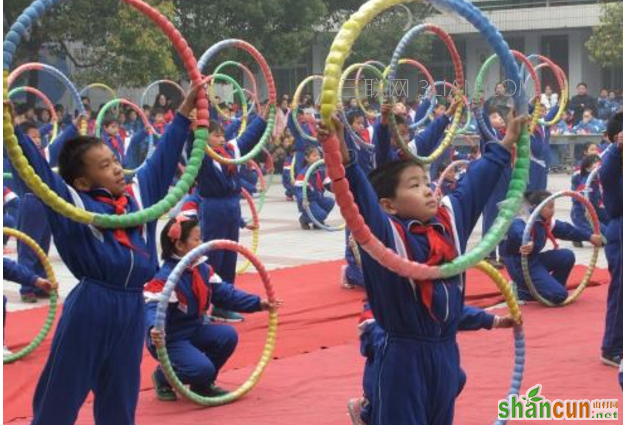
{"points": [[604, 45], [116, 44]]}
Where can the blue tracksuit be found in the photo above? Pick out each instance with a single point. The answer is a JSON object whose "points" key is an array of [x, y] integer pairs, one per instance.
{"points": [[116, 144], [319, 205], [300, 143], [249, 178], [286, 177], [219, 187], [578, 212], [98, 343], [540, 154], [197, 350], [32, 220], [549, 270], [10, 202], [611, 176], [17, 273], [371, 341], [418, 364]]}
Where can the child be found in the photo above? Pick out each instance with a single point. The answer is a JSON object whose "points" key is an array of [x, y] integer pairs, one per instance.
{"points": [[112, 138], [158, 120], [97, 345], [286, 178], [449, 183], [372, 336], [540, 152], [17, 273], [578, 183], [319, 205], [589, 124], [219, 187], [420, 318], [549, 270], [197, 350], [588, 148], [611, 177]]}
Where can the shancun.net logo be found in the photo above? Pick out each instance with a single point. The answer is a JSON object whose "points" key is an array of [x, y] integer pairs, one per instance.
{"points": [[533, 405]]}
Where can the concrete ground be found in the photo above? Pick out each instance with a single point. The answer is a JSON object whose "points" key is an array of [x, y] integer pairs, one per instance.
{"points": [[284, 244]]}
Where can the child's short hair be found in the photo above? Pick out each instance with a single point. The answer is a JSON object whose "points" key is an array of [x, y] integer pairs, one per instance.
{"points": [[534, 198], [108, 121], [157, 111], [215, 127], [494, 110], [588, 162], [353, 115], [311, 149], [400, 119], [385, 179], [615, 126], [70, 159], [167, 243], [28, 125]]}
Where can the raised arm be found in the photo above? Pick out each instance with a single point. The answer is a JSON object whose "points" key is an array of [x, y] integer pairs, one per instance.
{"points": [[57, 144], [251, 136]]}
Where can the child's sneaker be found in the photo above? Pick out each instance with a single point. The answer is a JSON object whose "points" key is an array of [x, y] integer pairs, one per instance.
{"points": [[211, 391], [304, 225], [220, 315], [289, 198], [354, 410], [29, 298], [164, 391], [7, 352], [608, 360]]}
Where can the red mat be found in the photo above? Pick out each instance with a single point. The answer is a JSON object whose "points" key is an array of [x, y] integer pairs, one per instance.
{"points": [[318, 314]]}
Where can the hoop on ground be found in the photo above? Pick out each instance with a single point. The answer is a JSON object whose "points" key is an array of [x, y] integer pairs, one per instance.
{"points": [[256, 229], [518, 333], [312, 168], [161, 312], [34, 182], [272, 95], [49, 321], [340, 50], [526, 238]]}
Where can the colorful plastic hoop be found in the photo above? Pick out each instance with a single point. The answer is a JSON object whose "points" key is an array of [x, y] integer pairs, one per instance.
{"points": [[161, 312], [295, 106], [377, 64], [459, 80], [49, 321], [246, 71], [340, 50], [239, 91], [306, 206], [256, 230], [33, 13], [342, 113], [526, 237], [262, 181], [150, 130], [466, 105], [102, 86], [480, 93], [272, 95], [437, 194], [563, 84], [431, 84], [518, 333], [46, 101], [36, 66]]}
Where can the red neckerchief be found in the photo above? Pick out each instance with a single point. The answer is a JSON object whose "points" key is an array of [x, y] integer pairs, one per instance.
{"points": [[159, 127], [365, 135], [231, 168], [115, 145], [120, 234], [441, 250], [547, 224], [319, 182], [200, 290]]}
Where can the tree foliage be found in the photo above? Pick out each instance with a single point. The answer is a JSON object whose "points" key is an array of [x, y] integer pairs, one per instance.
{"points": [[604, 45]]}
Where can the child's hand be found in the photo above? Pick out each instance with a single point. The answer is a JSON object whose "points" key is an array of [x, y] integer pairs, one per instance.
{"points": [[513, 128], [267, 305], [189, 102], [44, 285], [265, 111], [618, 139], [503, 322], [452, 108], [596, 240], [157, 337], [385, 110], [527, 248]]}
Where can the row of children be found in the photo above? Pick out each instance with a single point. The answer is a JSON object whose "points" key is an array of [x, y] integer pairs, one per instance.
{"points": [[98, 342]]}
